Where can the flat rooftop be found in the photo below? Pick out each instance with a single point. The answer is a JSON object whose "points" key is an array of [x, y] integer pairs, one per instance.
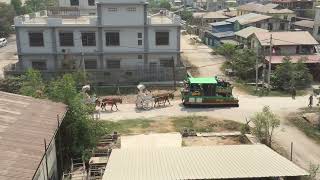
{"points": [[199, 162], [24, 124]]}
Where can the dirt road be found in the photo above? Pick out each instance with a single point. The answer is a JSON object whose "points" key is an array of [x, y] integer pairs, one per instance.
{"points": [[8, 54], [305, 149], [200, 56]]}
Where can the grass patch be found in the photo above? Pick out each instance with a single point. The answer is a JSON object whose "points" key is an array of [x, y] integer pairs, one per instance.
{"points": [[128, 125], [310, 130], [250, 89], [173, 124], [204, 124]]}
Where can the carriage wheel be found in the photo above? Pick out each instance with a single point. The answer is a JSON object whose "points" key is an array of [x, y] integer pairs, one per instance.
{"points": [[147, 104]]}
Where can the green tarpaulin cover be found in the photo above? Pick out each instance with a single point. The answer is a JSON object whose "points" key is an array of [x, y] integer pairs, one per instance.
{"points": [[206, 80]]}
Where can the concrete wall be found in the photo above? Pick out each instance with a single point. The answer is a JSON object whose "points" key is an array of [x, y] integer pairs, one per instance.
{"points": [[173, 44], [122, 16], [24, 40], [316, 27], [41, 174]]}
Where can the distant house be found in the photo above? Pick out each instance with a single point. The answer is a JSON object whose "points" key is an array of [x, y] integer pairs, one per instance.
{"points": [[273, 10], [216, 39], [250, 162], [304, 25], [208, 17], [244, 36], [297, 5], [297, 44], [221, 26], [28, 129], [259, 21]]}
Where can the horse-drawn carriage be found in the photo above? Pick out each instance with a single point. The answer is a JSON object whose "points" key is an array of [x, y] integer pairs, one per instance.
{"points": [[145, 100]]}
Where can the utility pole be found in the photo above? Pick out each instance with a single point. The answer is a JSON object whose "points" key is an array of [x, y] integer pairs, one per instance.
{"points": [[257, 74], [174, 73], [270, 58]]}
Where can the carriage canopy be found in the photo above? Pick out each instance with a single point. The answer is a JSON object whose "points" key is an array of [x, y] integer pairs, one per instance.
{"points": [[203, 80]]}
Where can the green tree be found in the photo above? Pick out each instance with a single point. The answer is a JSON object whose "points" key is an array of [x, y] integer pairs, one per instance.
{"points": [[301, 75], [288, 75], [7, 14], [38, 5], [63, 89], [227, 50], [11, 84], [165, 4], [243, 63], [17, 5], [32, 84], [186, 16], [264, 124]]}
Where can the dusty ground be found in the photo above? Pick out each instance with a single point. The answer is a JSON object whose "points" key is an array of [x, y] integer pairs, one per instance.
{"points": [[210, 141], [8, 54], [305, 150]]}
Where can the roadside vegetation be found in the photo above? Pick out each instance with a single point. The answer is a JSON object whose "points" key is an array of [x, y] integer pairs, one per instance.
{"points": [[286, 77], [172, 124], [311, 130]]}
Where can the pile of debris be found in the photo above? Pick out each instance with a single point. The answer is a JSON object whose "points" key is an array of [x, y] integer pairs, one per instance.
{"points": [[97, 163]]}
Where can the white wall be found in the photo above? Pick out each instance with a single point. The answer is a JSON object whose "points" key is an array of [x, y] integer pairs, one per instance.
{"points": [[77, 48], [173, 44], [24, 40], [122, 16], [128, 40], [52, 165]]}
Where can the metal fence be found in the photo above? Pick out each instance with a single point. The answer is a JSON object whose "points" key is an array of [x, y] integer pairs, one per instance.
{"points": [[124, 75]]}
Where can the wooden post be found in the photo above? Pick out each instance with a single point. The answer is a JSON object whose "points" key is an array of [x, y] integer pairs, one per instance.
{"points": [[174, 73], [270, 58], [46, 158], [291, 151]]}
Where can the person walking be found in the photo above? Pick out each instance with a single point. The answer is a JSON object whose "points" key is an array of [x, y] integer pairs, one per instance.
{"points": [[293, 93], [310, 100]]}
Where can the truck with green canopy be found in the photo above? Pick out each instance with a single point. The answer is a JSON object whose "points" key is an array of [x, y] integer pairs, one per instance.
{"points": [[211, 91]]}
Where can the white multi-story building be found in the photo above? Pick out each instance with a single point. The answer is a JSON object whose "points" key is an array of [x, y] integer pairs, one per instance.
{"points": [[113, 38]]}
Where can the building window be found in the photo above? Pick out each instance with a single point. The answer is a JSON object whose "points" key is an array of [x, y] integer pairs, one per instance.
{"points": [[166, 62], [285, 17], [112, 9], [131, 9], [66, 38], [162, 38], [91, 2], [139, 56], [258, 25], [90, 64], [112, 39], [113, 64], [270, 26], [74, 2], [88, 39], [139, 35], [39, 65], [318, 29], [139, 42], [36, 39], [282, 26]]}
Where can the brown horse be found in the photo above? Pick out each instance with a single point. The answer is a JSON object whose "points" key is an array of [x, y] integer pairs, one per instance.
{"points": [[162, 98], [112, 101]]}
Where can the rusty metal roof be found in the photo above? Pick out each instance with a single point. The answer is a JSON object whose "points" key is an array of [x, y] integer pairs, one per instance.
{"points": [[304, 23], [24, 124], [286, 38], [265, 8], [199, 162], [246, 32]]}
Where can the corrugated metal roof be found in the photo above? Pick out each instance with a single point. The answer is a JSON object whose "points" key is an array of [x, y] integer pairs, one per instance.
{"points": [[203, 80], [286, 38], [305, 23], [249, 18], [265, 8], [210, 15], [246, 32], [202, 162], [24, 124], [308, 59], [220, 23]]}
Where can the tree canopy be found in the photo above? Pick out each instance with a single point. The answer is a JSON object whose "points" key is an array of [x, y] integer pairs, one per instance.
{"points": [[265, 123], [288, 75], [7, 14]]}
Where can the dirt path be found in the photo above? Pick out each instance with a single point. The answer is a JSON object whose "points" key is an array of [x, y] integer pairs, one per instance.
{"points": [[199, 55]]}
